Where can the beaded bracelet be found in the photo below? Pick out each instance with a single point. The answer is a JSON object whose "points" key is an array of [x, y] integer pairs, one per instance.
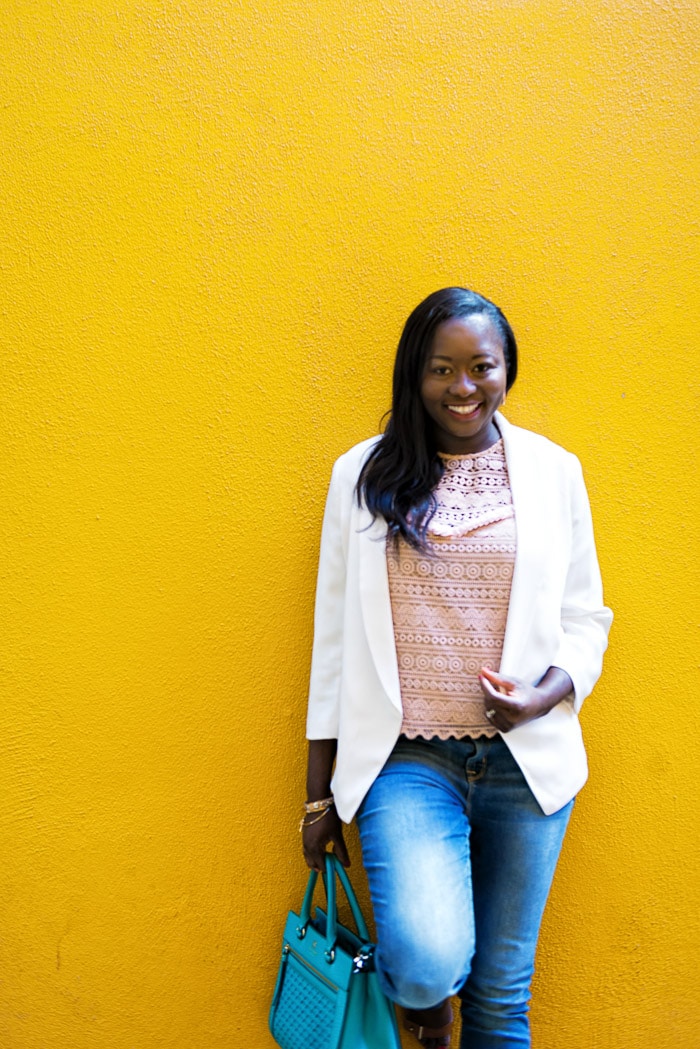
{"points": [[316, 806]]}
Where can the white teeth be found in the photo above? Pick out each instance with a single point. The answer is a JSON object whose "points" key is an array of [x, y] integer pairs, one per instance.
{"points": [[463, 409]]}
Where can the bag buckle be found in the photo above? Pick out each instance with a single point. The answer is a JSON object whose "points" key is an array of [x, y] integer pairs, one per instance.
{"points": [[363, 960]]}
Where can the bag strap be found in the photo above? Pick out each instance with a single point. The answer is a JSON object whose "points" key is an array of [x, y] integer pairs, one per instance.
{"points": [[305, 912], [334, 868], [333, 861]]}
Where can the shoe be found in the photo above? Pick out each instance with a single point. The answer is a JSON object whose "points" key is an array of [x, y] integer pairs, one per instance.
{"points": [[421, 1032]]}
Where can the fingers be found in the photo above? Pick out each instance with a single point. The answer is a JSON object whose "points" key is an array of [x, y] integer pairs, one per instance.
{"points": [[494, 684], [314, 855], [508, 702], [497, 719], [499, 695], [317, 860], [341, 851], [314, 849], [316, 842], [314, 863]]}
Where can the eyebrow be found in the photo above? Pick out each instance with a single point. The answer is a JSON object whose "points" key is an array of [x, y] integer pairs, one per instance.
{"points": [[446, 357]]}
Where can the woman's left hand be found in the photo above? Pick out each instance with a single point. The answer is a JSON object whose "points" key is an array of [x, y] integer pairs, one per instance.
{"points": [[509, 702]]}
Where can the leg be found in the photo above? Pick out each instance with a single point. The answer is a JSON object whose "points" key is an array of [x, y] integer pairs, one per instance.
{"points": [[515, 848], [415, 847]]}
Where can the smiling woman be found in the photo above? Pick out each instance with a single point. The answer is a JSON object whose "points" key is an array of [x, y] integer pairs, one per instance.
{"points": [[464, 383], [459, 626], [402, 470]]}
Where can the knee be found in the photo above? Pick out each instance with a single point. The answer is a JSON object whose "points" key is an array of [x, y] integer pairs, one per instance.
{"points": [[421, 979]]}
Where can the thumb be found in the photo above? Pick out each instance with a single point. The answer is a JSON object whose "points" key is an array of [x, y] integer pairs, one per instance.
{"points": [[340, 850]]}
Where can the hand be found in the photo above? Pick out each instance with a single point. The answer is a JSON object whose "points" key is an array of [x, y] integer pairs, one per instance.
{"points": [[514, 702], [316, 837]]}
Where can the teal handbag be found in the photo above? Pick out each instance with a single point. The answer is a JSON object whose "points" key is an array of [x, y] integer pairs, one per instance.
{"points": [[327, 994]]}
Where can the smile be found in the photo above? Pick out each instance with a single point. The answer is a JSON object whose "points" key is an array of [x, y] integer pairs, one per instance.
{"points": [[463, 409]]}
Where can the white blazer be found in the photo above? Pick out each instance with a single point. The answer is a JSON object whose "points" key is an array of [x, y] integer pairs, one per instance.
{"points": [[556, 617]]}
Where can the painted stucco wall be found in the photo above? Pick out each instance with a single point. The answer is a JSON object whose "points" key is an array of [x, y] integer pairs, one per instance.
{"points": [[215, 218]]}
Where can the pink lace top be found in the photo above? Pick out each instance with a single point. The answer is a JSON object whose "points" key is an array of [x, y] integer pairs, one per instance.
{"points": [[449, 604]]}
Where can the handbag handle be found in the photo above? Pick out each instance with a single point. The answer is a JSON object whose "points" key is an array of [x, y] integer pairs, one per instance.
{"points": [[334, 868], [333, 861]]}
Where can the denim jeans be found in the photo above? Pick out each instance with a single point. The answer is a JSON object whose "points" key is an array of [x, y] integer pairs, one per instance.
{"points": [[460, 859]]}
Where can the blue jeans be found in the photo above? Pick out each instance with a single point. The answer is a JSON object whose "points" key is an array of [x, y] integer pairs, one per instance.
{"points": [[460, 859]]}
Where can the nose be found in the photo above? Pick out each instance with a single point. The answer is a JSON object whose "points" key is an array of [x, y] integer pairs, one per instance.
{"points": [[462, 385]]}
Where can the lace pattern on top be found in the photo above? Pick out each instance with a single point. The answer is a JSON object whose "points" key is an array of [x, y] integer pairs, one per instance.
{"points": [[450, 603], [473, 491]]}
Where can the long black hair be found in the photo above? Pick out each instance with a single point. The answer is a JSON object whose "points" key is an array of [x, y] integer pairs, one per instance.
{"points": [[403, 468]]}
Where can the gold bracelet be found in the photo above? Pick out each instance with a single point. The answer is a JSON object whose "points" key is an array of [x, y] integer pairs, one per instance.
{"points": [[316, 806], [303, 823]]}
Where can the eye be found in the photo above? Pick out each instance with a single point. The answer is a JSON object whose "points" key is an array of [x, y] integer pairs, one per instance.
{"points": [[440, 369], [485, 366]]}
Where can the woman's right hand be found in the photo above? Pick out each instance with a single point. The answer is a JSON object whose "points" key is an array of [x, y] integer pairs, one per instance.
{"points": [[316, 838]]}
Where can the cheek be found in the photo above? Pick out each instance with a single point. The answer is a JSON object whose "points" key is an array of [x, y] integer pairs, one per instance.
{"points": [[498, 384]]}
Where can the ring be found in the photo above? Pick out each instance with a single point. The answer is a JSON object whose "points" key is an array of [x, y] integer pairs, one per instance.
{"points": [[490, 713]]}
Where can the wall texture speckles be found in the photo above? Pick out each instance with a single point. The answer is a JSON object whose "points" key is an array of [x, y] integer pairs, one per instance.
{"points": [[215, 219]]}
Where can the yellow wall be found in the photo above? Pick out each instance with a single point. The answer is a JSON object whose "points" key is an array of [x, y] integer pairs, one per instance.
{"points": [[215, 218]]}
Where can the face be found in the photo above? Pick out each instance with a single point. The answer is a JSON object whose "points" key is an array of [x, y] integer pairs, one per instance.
{"points": [[464, 382]]}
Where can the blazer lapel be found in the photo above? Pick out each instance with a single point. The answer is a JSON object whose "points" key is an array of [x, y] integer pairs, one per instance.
{"points": [[376, 604], [529, 503]]}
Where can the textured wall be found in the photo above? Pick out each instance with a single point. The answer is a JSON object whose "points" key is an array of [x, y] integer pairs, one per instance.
{"points": [[215, 218]]}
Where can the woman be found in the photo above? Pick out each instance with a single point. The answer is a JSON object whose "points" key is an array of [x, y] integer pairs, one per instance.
{"points": [[459, 626]]}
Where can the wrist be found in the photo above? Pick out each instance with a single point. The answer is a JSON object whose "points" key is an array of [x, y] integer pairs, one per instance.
{"points": [[545, 703], [309, 818], [314, 811], [555, 686], [319, 804]]}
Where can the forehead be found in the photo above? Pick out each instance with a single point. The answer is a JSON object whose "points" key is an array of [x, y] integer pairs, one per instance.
{"points": [[467, 336]]}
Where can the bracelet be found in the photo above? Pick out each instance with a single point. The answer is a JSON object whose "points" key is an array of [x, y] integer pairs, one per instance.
{"points": [[316, 806], [304, 823]]}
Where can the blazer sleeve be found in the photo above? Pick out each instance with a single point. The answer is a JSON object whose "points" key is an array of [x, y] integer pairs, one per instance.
{"points": [[327, 654], [585, 621]]}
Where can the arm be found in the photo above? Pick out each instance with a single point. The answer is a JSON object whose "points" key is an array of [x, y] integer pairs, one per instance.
{"points": [[585, 621], [327, 830], [327, 655], [584, 625], [323, 711]]}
